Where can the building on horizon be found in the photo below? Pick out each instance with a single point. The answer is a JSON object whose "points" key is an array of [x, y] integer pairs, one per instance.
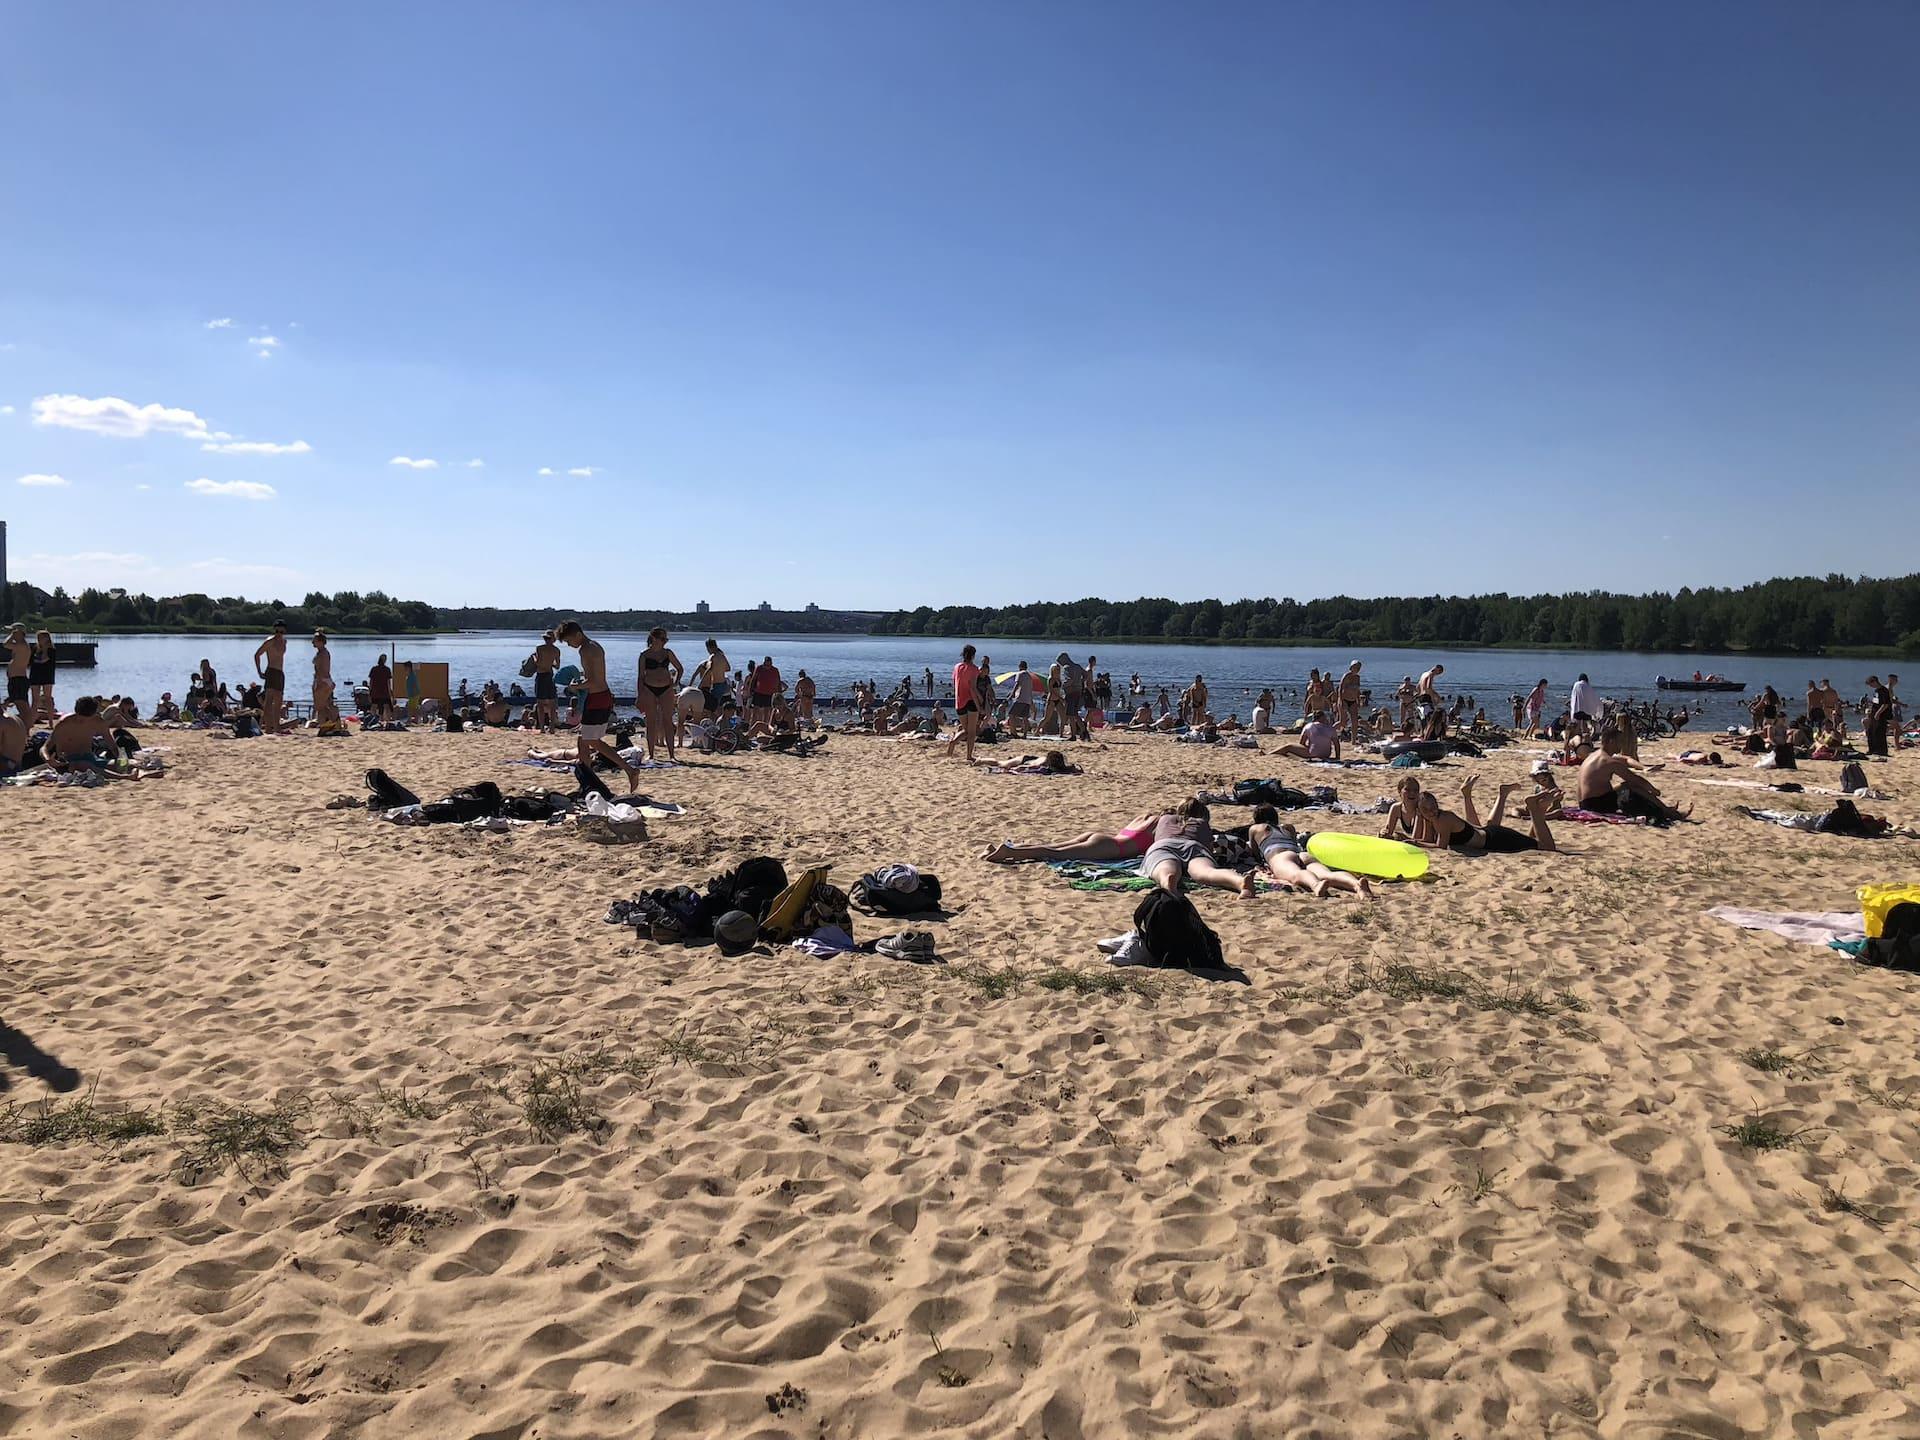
{"points": [[812, 609], [701, 608], [766, 607]]}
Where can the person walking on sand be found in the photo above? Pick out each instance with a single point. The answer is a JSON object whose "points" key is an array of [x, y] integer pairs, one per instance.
{"points": [[966, 701], [19, 688], [270, 664], [1348, 720], [805, 692], [324, 711], [1536, 702], [1020, 705], [596, 712], [1877, 716]]}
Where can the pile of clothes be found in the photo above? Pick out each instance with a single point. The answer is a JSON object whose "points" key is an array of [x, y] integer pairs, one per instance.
{"points": [[479, 803], [758, 903]]}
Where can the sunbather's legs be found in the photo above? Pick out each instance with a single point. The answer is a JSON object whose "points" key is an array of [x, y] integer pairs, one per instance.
{"points": [[1297, 752], [1205, 872], [1468, 811], [1167, 875], [1326, 879], [1500, 804], [1091, 846], [1287, 870], [1538, 808]]}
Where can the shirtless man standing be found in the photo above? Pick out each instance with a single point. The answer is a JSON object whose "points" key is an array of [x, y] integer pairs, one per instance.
{"points": [[805, 692], [546, 695], [1429, 695], [19, 654], [273, 677], [324, 711], [597, 709], [716, 678], [1637, 795], [1833, 708]]}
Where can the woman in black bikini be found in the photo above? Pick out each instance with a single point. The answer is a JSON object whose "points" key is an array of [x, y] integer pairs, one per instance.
{"points": [[40, 667], [1443, 830], [660, 675]]}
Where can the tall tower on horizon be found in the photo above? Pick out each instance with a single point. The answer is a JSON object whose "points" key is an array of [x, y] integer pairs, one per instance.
{"points": [[6, 603]]}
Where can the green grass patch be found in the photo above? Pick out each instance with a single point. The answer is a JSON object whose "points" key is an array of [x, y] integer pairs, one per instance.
{"points": [[78, 1122]]}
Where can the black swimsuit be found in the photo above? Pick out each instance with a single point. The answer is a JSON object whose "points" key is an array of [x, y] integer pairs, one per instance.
{"points": [[656, 662]]}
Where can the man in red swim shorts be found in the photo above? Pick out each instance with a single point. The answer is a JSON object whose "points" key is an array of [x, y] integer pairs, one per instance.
{"points": [[597, 710]]}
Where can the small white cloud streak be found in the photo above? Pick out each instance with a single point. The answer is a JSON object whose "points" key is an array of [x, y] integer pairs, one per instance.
{"points": [[585, 472], [225, 322], [43, 482], [409, 463], [232, 489], [256, 447]]}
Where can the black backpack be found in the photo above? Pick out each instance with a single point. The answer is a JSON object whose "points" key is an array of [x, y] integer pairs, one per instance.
{"points": [[870, 895], [752, 888], [387, 793], [1173, 933], [1852, 777], [1897, 946]]}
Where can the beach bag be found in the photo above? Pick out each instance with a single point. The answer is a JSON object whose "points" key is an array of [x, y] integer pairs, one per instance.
{"points": [[1172, 932], [874, 896], [386, 793], [1852, 777], [470, 802], [529, 667]]}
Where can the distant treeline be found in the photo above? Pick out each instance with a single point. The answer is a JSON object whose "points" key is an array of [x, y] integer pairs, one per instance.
{"points": [[1791, 617], [375, 612], [718, 622]]}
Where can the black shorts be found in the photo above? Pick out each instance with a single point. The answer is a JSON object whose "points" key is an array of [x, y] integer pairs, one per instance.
{"points": [[967, 709], [18, 688], [1502, 841], [274, 679], [762, 702], [40, 672], [544, 688], [597, 714]]}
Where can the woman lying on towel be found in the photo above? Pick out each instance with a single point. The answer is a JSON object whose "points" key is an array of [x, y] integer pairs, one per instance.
{"points": [[1439, 829], [1280, 849], [1127, 844], [1051, 763]]}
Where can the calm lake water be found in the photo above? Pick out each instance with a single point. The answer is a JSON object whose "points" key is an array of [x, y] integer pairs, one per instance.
{"points": [[145, 665]]}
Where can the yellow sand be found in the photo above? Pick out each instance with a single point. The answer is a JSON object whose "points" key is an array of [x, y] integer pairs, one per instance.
{"points": [[1293, 1207]]}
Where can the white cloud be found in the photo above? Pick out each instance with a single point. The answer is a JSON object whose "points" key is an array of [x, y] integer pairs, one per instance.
{"points": [[256, 447], [91, 557], [44, 481], [143, 486], [6, 409], [225, 322], [585, 472], [545, 470], [476, 464], [271, 342], [410, 463], [264, 354], [236, 489], [110, 415]]}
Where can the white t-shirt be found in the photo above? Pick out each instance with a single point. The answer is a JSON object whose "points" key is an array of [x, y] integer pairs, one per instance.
{"points": [[1585, 700], [1318, 737]]}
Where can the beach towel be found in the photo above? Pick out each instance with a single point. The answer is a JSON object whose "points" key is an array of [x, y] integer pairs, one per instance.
{"points": [[1117, 875], [1809, 928], [1593, 817]]}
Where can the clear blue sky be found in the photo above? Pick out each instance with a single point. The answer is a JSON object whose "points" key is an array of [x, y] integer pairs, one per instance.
{"points": [[888, 303]]}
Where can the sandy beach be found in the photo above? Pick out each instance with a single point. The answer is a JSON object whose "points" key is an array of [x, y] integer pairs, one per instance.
{"points": [[1461, 1162]]}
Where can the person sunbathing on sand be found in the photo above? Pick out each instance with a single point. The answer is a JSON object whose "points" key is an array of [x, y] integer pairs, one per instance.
{"points": [[1636, 794], [1285, 857], [1182, 850], [1129, 843], [1403, 816], [1444, 830]]}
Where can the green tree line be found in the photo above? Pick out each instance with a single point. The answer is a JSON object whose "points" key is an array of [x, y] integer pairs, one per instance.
{"points": [[1793, 617], [375, 612]]}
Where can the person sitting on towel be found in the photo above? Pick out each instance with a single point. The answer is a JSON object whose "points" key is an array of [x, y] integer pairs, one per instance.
{"points": [[1635, 795]]}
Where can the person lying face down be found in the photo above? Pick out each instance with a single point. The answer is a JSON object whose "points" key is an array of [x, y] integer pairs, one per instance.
{"points": [[1182, 850]]}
